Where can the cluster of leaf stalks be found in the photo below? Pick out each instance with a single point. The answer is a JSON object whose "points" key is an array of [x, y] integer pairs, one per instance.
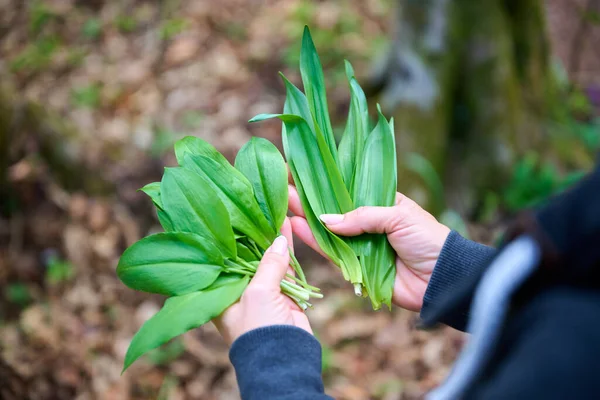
{"points": [[219, 220], [333, 179]]}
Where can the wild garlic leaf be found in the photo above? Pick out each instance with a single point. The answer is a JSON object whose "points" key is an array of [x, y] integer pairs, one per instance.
{"points": [[153, 191], [182, 313], [244, 252], [352, 144], [197, 147], [379, 271], [171, 264], [261, 162], [376, 182], [297, 104], [236, 193], [193, 206], [314, 86]]}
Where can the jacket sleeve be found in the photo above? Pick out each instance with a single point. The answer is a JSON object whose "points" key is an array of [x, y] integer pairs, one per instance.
{"points": [[278, 362], [460, 259]]}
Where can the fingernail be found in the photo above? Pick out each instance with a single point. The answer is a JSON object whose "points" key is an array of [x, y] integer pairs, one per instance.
{"points": [[279, 246], [331, 219]]}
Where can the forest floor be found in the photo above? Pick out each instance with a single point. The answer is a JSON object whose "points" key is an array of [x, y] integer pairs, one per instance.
{"points": [[132, 77]]}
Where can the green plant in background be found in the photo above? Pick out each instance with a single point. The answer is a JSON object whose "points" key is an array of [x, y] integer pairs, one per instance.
{"points": [[218, 221], [126, 23], [533, 182], [36, 56], [18, 293], [167, 353], [192, 119], [164, 139], [39, 16], [172, 27], [333, 179], [92, 28], [58, 271], [424, 169], [86, 96]]}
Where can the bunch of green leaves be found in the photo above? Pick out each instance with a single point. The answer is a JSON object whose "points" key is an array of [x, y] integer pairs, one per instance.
{"points": [[218, 221], [533, 182], [333, 179]]}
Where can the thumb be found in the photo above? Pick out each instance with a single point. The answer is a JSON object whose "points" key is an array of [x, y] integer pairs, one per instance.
{"points": [[274, 265], [364, 220]]}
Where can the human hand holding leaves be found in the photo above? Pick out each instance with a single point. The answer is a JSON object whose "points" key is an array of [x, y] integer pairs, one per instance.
{"points": [[262, 303], [415, 235]]}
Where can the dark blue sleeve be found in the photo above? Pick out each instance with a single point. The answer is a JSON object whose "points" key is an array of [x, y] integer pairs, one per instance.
{"points": [[278, 362], [459, 260]]}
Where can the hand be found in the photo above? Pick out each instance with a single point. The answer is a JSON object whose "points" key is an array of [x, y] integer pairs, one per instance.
{"points": [[262, 303], [415, 234]]}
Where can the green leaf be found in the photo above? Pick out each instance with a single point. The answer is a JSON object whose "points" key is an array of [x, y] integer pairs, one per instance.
{"points": [[193, 206], [297, 104], [182, 313], [165, 221], [171, 264], [352, 144], [236, 193], [260, 162], [375, 185], [153, 191], [379, 270], [198, 147], [245, 253], [314, 86]]}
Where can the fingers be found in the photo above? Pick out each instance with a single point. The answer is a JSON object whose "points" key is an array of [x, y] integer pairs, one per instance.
{"points": [[302, 230], [286, 230], [364, 220], [294, 203], [274, 265]]}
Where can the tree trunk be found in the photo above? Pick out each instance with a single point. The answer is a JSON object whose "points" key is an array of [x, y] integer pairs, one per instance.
{"points": [[469, 84]]}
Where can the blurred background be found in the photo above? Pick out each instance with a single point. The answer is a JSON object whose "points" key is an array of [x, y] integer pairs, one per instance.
{"points": [[496, 103]]}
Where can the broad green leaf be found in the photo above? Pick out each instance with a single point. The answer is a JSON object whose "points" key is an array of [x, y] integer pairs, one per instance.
{"points": [[197, 147], [182, 313], [314, 86], [164, 220], [375, 185], [260, 162], [172, 264], [193, 206], [236, 193], [153, 191], [244, 252], [352, 144]]}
